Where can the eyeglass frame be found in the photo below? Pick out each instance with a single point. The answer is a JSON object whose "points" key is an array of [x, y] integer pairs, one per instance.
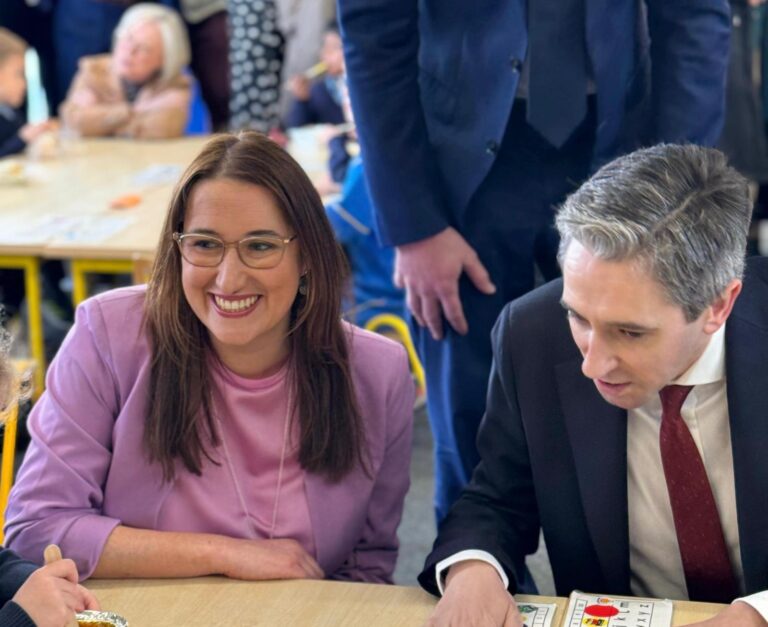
{"points": [[178, 237]]}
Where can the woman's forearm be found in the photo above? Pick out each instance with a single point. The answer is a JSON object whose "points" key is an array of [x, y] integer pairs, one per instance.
{"points": [[133, 552]]}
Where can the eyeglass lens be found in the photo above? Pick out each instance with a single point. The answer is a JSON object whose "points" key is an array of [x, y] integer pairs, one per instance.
{"points": [[256, 252]]}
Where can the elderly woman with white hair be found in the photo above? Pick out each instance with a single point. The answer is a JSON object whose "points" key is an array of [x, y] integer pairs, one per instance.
{"points": [[139, 90]]}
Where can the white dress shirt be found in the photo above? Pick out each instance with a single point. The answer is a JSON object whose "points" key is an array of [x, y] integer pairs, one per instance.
{"points": [[656, 569]]}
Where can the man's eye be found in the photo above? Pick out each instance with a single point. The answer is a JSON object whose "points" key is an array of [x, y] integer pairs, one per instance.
{"points": [[634, 335]]}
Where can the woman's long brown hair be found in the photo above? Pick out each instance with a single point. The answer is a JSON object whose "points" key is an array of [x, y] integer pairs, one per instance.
{"points": [[180, 425]]}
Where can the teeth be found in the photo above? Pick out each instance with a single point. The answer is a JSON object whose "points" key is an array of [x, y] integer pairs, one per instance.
{"points": [[234, 305]]}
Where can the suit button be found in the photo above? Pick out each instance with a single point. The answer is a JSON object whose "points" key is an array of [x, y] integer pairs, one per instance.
{"points": [[516, 64], [492, 147]]}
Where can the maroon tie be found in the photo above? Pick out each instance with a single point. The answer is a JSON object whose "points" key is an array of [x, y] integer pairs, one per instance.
{"points": [[708, 570]]}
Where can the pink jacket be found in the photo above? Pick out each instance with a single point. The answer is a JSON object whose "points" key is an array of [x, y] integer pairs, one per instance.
{"points": [[85, 470]]}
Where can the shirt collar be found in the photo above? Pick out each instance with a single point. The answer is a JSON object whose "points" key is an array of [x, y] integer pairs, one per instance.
{"points": [[710, 366]]}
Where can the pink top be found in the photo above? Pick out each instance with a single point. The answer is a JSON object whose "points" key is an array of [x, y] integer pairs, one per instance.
{"points": [[86, 471], [251, 418]]}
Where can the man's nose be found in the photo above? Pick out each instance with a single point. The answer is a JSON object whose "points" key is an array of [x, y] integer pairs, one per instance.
{"points": [[599, 359]]}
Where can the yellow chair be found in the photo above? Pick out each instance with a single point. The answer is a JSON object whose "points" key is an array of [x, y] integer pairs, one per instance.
{"points": [[21, 390], [400, 328]]}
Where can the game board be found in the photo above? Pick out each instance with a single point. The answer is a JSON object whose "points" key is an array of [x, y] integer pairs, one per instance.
{"points": [[589, 610]]}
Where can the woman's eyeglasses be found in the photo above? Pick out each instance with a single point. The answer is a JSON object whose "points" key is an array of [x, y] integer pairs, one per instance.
{"points": [[260, 253]]}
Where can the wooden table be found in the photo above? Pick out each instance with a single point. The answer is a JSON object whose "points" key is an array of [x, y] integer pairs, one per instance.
{"points": [[209, 601]]}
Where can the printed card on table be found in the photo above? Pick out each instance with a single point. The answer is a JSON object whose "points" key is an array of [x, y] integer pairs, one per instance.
{"points": [[537, 614], [590, 610]]}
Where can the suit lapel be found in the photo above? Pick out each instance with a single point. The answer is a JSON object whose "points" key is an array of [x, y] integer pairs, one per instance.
{"points": [[598, 435], [747, 376]]}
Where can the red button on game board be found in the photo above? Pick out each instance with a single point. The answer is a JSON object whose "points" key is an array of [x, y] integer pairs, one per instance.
{"points": [[601, 610]]}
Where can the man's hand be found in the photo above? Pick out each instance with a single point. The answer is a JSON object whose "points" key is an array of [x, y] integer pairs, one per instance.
{"points": [[429, 270], [739, 613], [475, 597]]}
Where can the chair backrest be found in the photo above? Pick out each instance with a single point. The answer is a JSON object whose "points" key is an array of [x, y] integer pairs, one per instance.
{"points": [[23, 388], [10, 417], [390, 321]]}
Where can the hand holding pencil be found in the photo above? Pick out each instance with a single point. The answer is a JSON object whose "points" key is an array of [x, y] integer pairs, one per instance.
{"points": [[51, 596]]}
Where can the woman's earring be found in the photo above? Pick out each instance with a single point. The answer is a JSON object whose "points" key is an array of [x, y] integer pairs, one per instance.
{"points": [[303, 287]]}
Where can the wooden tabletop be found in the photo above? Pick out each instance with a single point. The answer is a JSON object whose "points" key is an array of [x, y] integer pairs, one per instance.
{"points": [[218, 601], [80, 184], [61, 202]]}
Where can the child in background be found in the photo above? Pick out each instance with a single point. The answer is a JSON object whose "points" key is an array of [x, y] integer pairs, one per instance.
{"points": [[372, 266], [15, 134], [32, 596], [319, 101]]}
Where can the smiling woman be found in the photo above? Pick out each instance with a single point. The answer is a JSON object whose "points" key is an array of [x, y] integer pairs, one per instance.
{"points": [[224, 420]]}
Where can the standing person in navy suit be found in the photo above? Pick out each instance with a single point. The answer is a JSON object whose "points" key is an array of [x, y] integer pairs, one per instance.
{"points": [[626, 413], [475, 120]]}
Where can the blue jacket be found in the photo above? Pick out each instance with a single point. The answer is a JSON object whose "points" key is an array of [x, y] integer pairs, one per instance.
{"points": [[372, 266], [433, 82]]}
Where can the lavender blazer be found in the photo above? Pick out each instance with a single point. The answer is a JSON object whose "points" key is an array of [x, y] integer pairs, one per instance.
{"points": [[85, 471]]}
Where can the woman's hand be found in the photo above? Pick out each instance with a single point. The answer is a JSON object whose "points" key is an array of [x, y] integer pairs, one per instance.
{"points": [[51, 595], [269, 559]]}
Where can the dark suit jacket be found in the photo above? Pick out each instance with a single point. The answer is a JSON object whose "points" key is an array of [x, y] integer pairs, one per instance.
{"points": [[433, 83], [553, 452], [10, 125]]}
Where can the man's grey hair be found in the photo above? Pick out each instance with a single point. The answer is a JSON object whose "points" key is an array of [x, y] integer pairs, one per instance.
{"points": [[680, 211]]}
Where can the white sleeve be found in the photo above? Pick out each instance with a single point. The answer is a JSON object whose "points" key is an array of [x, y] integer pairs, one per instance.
{"points": [[463, 556], [759, 601]]}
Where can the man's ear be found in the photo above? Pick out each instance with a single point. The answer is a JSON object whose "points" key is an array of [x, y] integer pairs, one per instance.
{"points": [[717, 313]]}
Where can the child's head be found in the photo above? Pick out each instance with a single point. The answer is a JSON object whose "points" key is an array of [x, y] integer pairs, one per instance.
{"points": [[13, 84], [332, 52]]}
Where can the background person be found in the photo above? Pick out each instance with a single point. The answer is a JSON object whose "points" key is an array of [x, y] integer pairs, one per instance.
{"points": [[475, 120], [223, 420], [320, 101], [15, 133], [139, 90]]}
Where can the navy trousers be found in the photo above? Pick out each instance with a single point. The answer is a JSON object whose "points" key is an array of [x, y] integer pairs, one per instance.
{"points": [[509, 224]]}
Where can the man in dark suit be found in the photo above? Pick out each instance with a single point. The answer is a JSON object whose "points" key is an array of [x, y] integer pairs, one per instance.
{"points": [[475, 119], [625, 412]]}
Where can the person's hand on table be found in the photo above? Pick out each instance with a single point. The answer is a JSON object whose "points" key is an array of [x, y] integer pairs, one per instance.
{"points": [[475, 596], [51, 596], [739, 613], [269, 559], [429, 270], [30, 132]]}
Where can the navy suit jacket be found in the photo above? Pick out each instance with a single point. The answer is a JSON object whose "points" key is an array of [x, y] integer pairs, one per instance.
{"points": [[554, 454], [433, 83]]}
